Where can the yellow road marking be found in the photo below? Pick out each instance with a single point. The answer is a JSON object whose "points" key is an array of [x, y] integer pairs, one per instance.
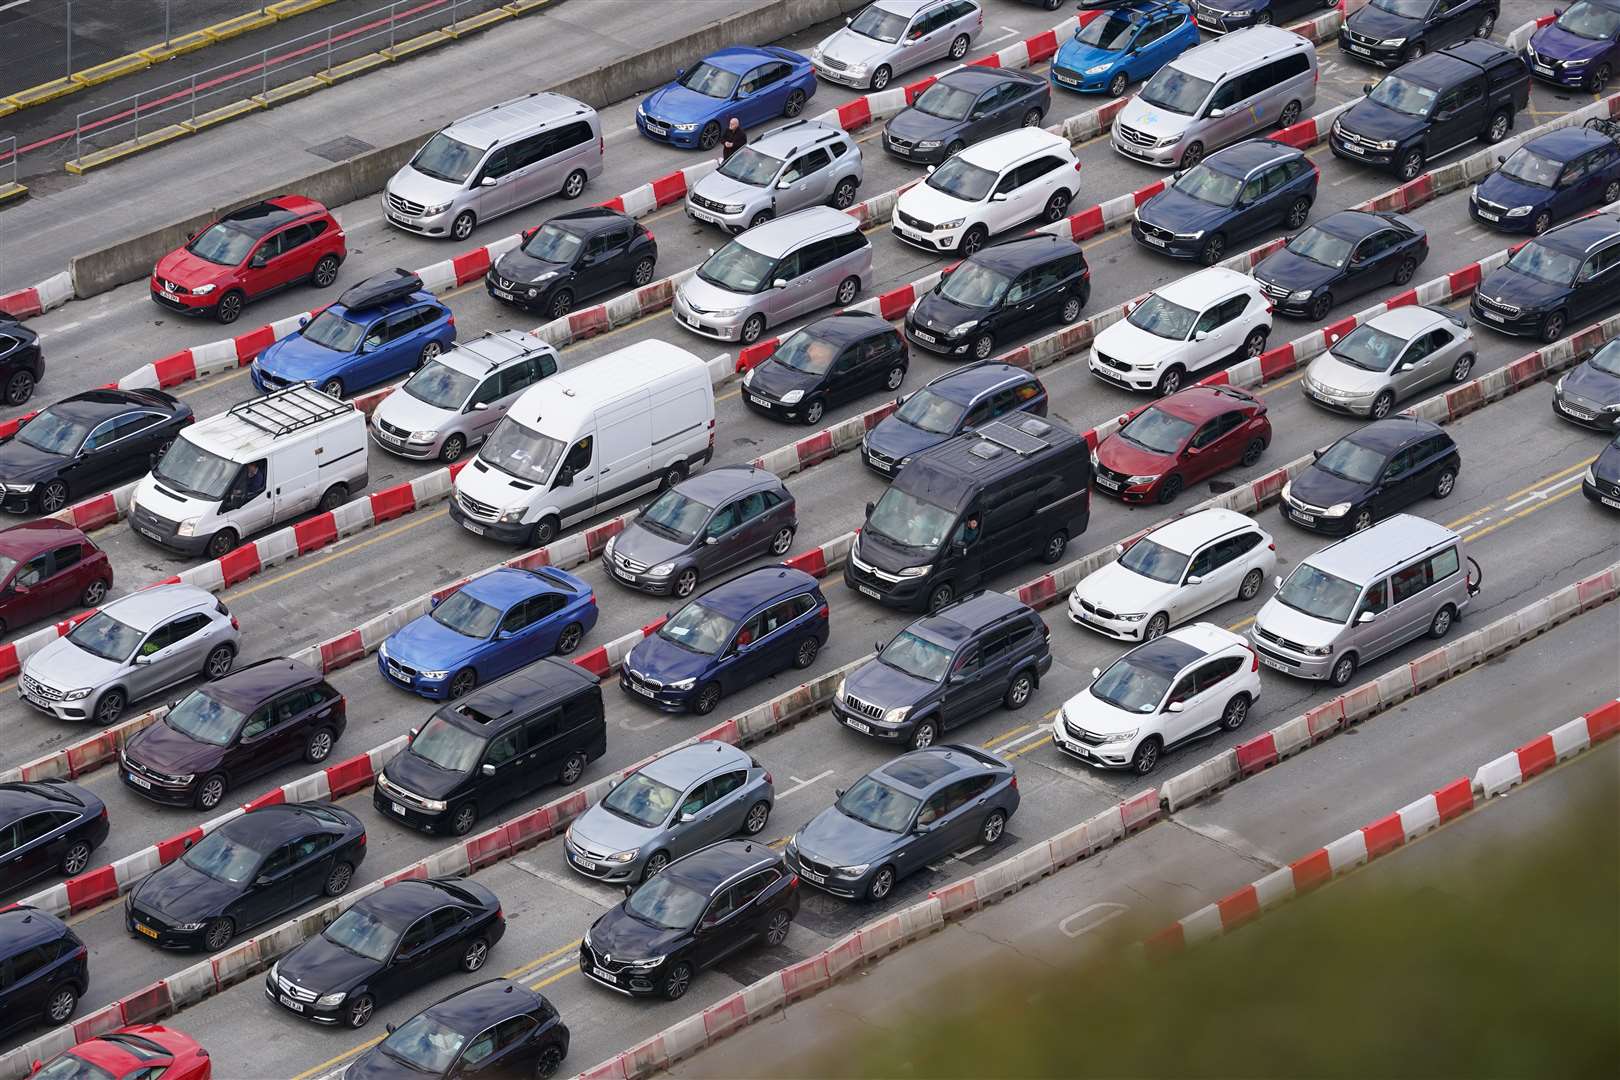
{"points": [[1526, 512], [1042, 741], [418, 519], [1279, 384], [1543, 482], [549, 979], [523, 969]]}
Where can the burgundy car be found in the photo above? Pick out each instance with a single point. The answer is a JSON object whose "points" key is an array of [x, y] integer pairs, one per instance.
{"points": [[47, 567], [1181, 440]]}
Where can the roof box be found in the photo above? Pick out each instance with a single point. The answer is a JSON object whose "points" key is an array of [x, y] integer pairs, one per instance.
{"points": [[395, 284]]}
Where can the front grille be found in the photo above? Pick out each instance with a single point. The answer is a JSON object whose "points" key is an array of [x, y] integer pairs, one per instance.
{"points": [[272, 381], [836, 65], [881, 459], [629, 564], [1486, 204], [406, 206], [37, 689], [1300, 504], [476, 508], [149, 773], [904, 145], [404, 669], [1346, 135], [914, 224], [297, 993], [390, 429], [173, 287], [1106, 473], [588, 854], [865, 708], [139, 515], [708, 204], [1153, 230], [1511, 310], [1277, 639], [1090, 738], [399, 794], [821, 869], [1108, 361], [1100, 612], [1130, 134], [1361, 39], [642, 680], [1274, 290], [1066, 73]]}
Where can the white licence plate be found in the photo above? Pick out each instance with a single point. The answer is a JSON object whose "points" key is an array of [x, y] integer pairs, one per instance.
{"points": [[1304, 518], [476, 530], [290, 1003], [140, 783], [642, 690], [757, 400], [151, 534], [394, 670], [1362, 49], [864, 729], [930, 338], [1067, 81], [605, 976], [1269, 662], [584, 864], [882, 465], [869, 591], [689, 320], [657, 129], [398, 809], [1579, 414], [503, 294], [1154, 240], [1606, 501], [1488, 216], [1544, 69], [1493, 316], [900, 149], [817, 878], [1109, 484]]}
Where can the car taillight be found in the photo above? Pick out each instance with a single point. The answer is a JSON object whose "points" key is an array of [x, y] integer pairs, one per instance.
{"points": [[1077, 166], [793, 881], [361, 842], [823, 612], [452, 323], [500, 913], [1272, 546], [769, 779], [601, 144], [236, 624], [1269, 307], [103, 813], [1015, 781], [1254, 660]]}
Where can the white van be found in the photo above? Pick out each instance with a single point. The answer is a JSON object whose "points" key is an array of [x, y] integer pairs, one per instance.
{"points": [[262, 463], [588, 439]]}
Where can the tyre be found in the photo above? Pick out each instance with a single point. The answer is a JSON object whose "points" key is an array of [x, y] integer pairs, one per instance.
{"points": [[672, 476], [896, 376], [1411, 166], [959, 47], [1487, 23], [574, 186], [1413, 51], [1552, 327], [924, 735], [332, 498], [1543, 221], [463, 683], [61, 1005], [229, 308], [573, 767], [1019, 691], [223, 543], [1252, 452], [678, 981], [19, 388], [1146, 758], [848, 289], [1290, 114], [1169, 488], [463, 226], [1252, 581], [1382, 404], [1501, 124], [453, 448], [1171, 380], [1446, 483], [776, 931], [795, 104], [655, 865], [685, 582], [882, 883], [1118, 84], [1364, 521], [1236, 711], [709, 137], [569, 639], [1344, 669], [994, 826], [462, 821], [545, 531], [218, 663], [881, 77], [1320, 306], [758, 815], [1255, 343], [844, 194], [805, 654], [782, 541], [430, 351], [210, 792], [561, 303], [359, 1010], [1056, 545], [752, 329], [1213, 251], [1031, 118], [337, 882], [318, 747], [1299, 213], [75, 859], [475, 955], [1263, 18], [1404, 272], [110, 707], [760, 218], [708, 696], [1441, 624], [1156, 627], [942, 595], [1464, 365], [954, 147], [218, 934], [1599, 80], [325, 272], [1056, 207], [333, 388], [814, 410], [972, 241], [1071, 310], [643, 272], [94, 593], [53, 496], [1192, 155], [983, 346], [548, 1063]]}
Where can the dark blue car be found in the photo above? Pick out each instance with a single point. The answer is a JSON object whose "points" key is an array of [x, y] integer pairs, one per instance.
{"points": [[1242, 190], [380, 330], [489, 627], [1552, 177], [732, 636], [752, 84], [946, 406], [1580, 48], [1341, 257]]}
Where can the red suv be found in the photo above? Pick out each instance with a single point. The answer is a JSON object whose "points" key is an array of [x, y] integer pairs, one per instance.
{"points": [[1180, 440], [47, 567], [250, 253]]}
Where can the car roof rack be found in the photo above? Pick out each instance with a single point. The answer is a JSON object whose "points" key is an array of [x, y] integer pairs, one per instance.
{"points": [[493, 362], [379, 289], [290, 409]]}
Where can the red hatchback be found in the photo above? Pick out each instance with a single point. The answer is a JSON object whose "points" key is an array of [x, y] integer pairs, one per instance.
{"points": [[1181, 440], [140, 1050], [47, 567], [250, 253]]}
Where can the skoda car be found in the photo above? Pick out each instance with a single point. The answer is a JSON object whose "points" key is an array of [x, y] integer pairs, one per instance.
{"points": [[1231, 194], [1341, 257], [751, 84], [1124, 45], [1370, 474], [1589, 393], [1551, 177], [962, 107], [1181, 440], [947, 405], [1580, 48], [573, 257], [1567, 274]]}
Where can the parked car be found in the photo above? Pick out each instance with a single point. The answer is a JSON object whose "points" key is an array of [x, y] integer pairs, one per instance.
{"points": [[945, 670], [947, 405], [805, 163], [674, 805], [138, 1050], [385, 945], [890, 37], [22, 361], [496, 623], [824, 363], [1388, 358], [249, 253], [999, 294], [1550, 177], [247, 871], [47, 826], [1179, 440], [701, 526], [1567, 273], [734, 635], [379, 330], [992, 186], [1342, 256], [1589, 393], [1371, 473], [963, 107], [1580, 48], [44, 969], [134, 647], [257, 718], [919, 808], [1182, 328], [47, 567], [495, 1028], [1392, 32], [1601, 484], [1240, 14], [1175, 572], [752, 84], [85, 443], [1124, 45], [1165, 692], [573, 257], [1245, 189]]}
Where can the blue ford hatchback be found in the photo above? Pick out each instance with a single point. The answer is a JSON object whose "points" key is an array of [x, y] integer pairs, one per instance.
{"points": [[732, 636], [379, 330], [1123, 46], [1549, 178], [489, 627], [948, 405], [752, 84]]}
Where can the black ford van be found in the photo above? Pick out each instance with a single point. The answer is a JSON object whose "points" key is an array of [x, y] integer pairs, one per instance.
{"points": [[540, 725], [970, 508]]}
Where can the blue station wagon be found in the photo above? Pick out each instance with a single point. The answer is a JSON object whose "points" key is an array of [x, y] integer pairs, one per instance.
{"points": [[1550, 178]]}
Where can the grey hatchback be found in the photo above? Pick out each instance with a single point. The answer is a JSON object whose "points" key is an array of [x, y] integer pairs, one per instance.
{"points": [[701, 526], [688, 799]]}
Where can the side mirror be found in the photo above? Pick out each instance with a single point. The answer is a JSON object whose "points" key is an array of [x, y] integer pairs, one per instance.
{"points": [[1000, 196], [1195, 579], [488, 770], [1277, 581], [679, 72], [629, 891], [1200, 335], [711, 251], [1366, 88], [144, 658], [922, 827], [711, 539], [303, 321], [838, 793], [869, 508], [1216, 114], [488, 181], [1501, 159], [686, 815], [190, 236], [848, 19], [478, 406], [779, 283], [931, 169], [1366, 616], [565, 478], [877, 646], [1174, 706], [783, 185], [258, 261], [976, 114], [435, 602], [390, 1028], [958, 549], [1096, 673], [21, 590], [263, 879], [1317, 453]]}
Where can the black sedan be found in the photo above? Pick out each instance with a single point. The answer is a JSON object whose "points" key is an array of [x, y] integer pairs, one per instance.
{"points": [[1339, 257], [47, 826], [246, 872], [573, 257], [497, 1028], [22, 364], [827, 363], [1589, 393], [1601, 483], [1371, 473], [963, 107], [385, 946], [85, 443]]}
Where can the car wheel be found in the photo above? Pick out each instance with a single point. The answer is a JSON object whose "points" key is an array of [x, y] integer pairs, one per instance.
{"points": [[1019, 691], [1446, 483], [993, 828], [678, 981], [752, 329], [569, 639], [655, 865], [462, 821], [1487, 23], [332, 498], [1146, 758], [709, 137], [1118, 84], [94, 593], [319, 746], [562, 303], [229, 308], [1320, 306], [1056, 207], [1252, 452], [337, 882], [1171, 380], [1440, 625], [848, 289], [1056, 545], [1413, 51], [61, 1005], [1500, 125], [844, 194], [1262, 18], [1051, 5], [643, 272], [1192, 155], [223, 543], [1411, 166], [463, 683], [218, 934], [1251, 584], [708, 696], [463, 225], [1031, 119], [19, 388], [219, 661], [1299, 213], [548, 1063], [983, 346], [782, 541], [881, 77], [545, 531], [897, 375], [572, 768], [1290, 115], [924, 735], [959, 47], [574, 186], [1598, 80], [1364, 521], [211, 792], [672, 476], [794, 105], [452, 449], [942, 595], [1464, 365], [333, 388], [805, 654], [758, 815], [476, 954], [325, 272], [881, 885], [760, 218], [1552, 327], [954, 147], [1156, 627], [1236, 711], [1255, 343], [53, 497], [1213, 251], [1071, 310], [686, 581], [110, 708], [776, 931], [814, 410], [1543, 221], [75, 859], [1382, 404], [359, 1010], [1169, 488], [1344, 670], [157, 455], [972, 241]]}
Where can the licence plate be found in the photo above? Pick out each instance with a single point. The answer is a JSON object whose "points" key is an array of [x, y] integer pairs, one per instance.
{"points": [[147, 930], [1493, 316], [476, 530], [1579, 414], [1606, 501], [869, 591], [657, 129], [930, 338], [1066, 81], [757, 400], [1154, 240], [605, 976], [140, 782], [876, 464], [151, 534], [503, 294], [1269, 662], [817, 878], [1544, 69], [1362, 49], [899, 149], [400, 218], [642, 690], [394, 670], [689, 320], [295, 1006], [1109, 484], [1488, 216], [1304, 518], [584, 864], [864, 729], [398, 809]]}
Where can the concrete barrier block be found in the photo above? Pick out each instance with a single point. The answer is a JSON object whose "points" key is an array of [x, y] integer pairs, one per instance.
{"points": [[1428, 669], [1198, 781], [192, 984], [685, 1037], [1395, 685], [1347, 852], [1292, 735], [1202, 925], [1498, 775], [1418, 816], [1570, 738], [1275, 888], [764, 997]]}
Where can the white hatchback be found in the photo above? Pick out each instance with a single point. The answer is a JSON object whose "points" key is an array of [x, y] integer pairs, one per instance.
{"points": [[1190, 324]]}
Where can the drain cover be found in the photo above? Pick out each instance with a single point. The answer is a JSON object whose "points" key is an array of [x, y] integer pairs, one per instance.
{"points": [[341, 149]]}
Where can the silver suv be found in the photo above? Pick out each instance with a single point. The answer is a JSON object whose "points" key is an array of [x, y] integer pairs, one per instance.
{"points": [[132, 648], [801, 164], [894, 36], [454, 401], [687, 799]]}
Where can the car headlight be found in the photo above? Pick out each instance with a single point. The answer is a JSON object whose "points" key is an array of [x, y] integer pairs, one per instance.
{"points": [[187, 527], [1120, 737], [512, 515], [437, 806], [1611, 408], [1558, 387], [1591, 478], [961, 328], [607, 548], [929, 144], [423, 436], [190, 926], [1300, 294], [1136, 616], [647, 964], [956, 224], [624, 856], [1317, 650], [439, 209], [851, 871], [896, 716], [727, 313], [1097, 69], [913, 571], [21, 489], [903, 461], [857, 70], [1519, 211], [275, 969], [1338, 128], [839, 693], [1287, 491], [683, 684], [327, 1001], [1337, 510], [684, 127], [1171, 140], [732, 208], [1386, 144], [78, 695], [663, 569], [792, 397], [204, 290], [1577, 63], [1140, 479], [1190, 235], [445, 674], [1095, 461], [1393, 41]]}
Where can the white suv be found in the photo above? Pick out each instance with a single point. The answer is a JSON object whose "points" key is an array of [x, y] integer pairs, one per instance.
{"points": [[1163, 692], [1177, 571], [988, 188], [1188, 325]]}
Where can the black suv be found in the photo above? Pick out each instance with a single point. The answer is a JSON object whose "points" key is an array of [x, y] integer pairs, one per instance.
{"points": [[44, 969], [1391, 32], [700, 909], [22, 364], [496, 1028], [1565, 274], [573, 257], [946, 669], [1000, 293], [47, 826], [1370, 474], [827, 363], [541, 724], [1432, 105]]}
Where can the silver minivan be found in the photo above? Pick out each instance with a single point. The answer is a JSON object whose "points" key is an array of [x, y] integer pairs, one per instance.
{"points": [[1364, 596], [495, 161], [889, 37], [1217, 93], [783, 269], [801, 164]]}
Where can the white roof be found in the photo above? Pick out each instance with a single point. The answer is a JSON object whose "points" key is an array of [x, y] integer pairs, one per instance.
{"points": [[1207, 286], [563, 400], [1011, 147], [1186, 535], [1207, 636], [232, 435], [485, 127], [1214, 58]]}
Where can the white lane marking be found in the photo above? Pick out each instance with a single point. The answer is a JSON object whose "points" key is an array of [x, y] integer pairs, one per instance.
{"points": [[577, 888], [76, 323], [1040, 729], [645, 725], [960, 856], [12, 4], [799, 784], [1099, 914], [1541, 493]]}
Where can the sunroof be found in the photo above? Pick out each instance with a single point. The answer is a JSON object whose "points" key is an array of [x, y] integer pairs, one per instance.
{"points": [[920, 770]]}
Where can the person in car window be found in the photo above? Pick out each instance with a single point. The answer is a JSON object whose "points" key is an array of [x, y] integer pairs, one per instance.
{"points": [[969, 532], [734, 140]]}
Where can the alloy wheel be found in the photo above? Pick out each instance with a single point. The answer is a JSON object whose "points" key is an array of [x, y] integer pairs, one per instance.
{"points": [[776, 931]]}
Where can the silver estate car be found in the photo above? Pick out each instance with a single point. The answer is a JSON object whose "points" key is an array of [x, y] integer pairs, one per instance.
{"points": [[134, 647], [798, 165], [893, 36], [1390, 358], [455, 400], [688, 799]]}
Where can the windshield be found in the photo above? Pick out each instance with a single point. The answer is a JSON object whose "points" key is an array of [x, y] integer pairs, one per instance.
{"points": [[1156, 430], [195, 471], [1369, 348], [956, 177], [1321, 246], [1321, 595], [737, 269], [222, 244], [975, 286], [424, 1044], [666, 903], [1606, 360], [916, 656], [1109, 32], [466, 615], [1176, 91], [363, 934], [439, 386], [874, 803], [200, 717], [946, 102], [902, 518], [223, 859], [332, 330], [1592, 21], [1529, 167], [807, 353], [1154, 560], [642, 799], [444, 744], [698, 629], [552, 244], [749, 166], [675, 516], [106, 637], [69, 1067], [1161, 318], [1131, 685], [1207, 185], [1407, 9], [929, 412], [1539, 261], [1396, 93], [53, 433], [878, 24], [1348, 461], [447, 159], [522, 452], [710, 81]]}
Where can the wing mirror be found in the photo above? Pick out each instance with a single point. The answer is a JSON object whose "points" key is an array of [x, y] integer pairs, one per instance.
{"points": [[263, 879], [144, 658], [679, 72], [1277, 581], [565, 478], [931, 170], [1366, 617], [779, 283], [1200, 335], [488, 181], [869, 508], [303, 321], [1096, 673], [629, 891], [711, 539], [922, 827], [1366, 88], [783, 185], [1000, 196], [480, 406], [488, 770], [686, 815], [1216, 114], [258, 260], [1501, 159], [1174, 706], [838, 793], [1195, 579], [1317, 453], [390, 1028]]}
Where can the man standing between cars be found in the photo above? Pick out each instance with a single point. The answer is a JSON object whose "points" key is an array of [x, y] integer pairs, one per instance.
{"points": [[733, 140]]}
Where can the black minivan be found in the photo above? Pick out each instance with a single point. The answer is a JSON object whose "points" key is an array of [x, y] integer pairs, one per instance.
{"points": [[44, 969], [541, 724], [1001, 293], [974, 506]]}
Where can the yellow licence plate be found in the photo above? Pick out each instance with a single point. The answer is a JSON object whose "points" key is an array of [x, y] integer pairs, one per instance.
{"points": [[147, 930]]}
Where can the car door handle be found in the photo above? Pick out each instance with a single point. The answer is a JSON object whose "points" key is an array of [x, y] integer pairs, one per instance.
{"points": [[587, 476]]}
